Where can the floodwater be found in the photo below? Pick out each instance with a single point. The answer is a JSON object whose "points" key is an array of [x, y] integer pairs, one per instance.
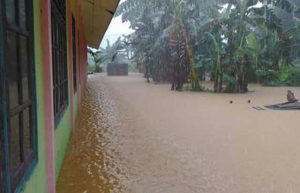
{"points": [[134, 137], [92, 163]]}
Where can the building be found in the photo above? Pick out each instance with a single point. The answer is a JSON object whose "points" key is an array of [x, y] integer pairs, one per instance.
{"points": [[117, 69], [43, 61]]}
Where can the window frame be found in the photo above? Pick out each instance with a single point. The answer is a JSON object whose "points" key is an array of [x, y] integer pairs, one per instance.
{"points": [[2, 164], [74, 53], [79, 57], [13, 181], [59, 59]]}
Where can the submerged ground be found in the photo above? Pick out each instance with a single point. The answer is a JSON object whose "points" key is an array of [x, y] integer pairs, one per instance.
{"points": [[142, 138]]}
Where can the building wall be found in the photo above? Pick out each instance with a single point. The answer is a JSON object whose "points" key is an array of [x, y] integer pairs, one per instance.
{"points": [[53, 142], [62, 135], [37, 182], [63, 130]]}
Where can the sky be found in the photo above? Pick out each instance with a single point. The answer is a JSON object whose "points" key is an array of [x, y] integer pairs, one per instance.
{"points": [[115, 30]]}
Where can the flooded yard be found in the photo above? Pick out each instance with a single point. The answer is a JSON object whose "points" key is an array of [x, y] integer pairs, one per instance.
{"points": [[134, 137]]}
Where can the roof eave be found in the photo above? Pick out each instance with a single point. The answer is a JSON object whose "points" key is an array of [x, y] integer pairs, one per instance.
{"points": [[97, 15]]}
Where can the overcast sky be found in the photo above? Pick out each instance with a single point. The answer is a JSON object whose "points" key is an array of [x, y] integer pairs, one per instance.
{"points": [[115, 30]]}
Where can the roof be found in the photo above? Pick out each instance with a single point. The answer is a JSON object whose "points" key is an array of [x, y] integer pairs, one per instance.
{"points": [[96, 16]]}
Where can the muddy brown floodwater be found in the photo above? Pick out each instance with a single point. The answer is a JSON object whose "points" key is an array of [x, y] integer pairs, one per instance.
{"points": [[134, 137]]}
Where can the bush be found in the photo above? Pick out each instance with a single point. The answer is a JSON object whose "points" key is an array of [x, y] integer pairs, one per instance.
{"points": [[132, 67], [286, 75], [274, 79], [91, 69], [294, 79]]}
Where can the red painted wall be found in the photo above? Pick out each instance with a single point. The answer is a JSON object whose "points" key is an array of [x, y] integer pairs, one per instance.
{"points": [[70, 57], [82, 58], [48, 79], [48, 94]]}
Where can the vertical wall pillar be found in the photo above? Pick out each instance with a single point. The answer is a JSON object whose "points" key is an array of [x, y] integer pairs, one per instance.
{"points": [[48, 93], [70, 59], [80, 86], [77, 18]]}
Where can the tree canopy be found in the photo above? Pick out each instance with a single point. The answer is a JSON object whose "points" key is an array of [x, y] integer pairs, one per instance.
{"points": [[233, 42]]}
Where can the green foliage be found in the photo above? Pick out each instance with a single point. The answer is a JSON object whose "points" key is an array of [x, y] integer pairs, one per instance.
{"points": [[97, 60], [277, 77], [236, 41], [91, 69], [286, 75], [133, 67], [112, 53]]}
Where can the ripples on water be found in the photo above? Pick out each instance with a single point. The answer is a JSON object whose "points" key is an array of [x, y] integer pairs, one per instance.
{"points": [[169, 147], [93, 164], [105, 157]]}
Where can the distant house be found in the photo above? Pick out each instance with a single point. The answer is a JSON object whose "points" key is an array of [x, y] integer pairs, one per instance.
{"points": [[117, 69]]}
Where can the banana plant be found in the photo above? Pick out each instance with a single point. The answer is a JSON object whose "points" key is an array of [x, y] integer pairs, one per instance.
{"points": [[217, 70]]}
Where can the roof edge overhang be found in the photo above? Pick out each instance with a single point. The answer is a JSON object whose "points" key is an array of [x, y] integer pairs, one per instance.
{"points": [[96, 16]]}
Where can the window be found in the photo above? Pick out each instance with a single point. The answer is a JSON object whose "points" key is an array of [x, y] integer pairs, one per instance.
{"points": [[18, 135], [59, 58], [1, 128], [74, 53], [1, 143], [79, 57]]}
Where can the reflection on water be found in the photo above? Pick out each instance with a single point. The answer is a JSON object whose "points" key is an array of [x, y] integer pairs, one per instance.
{"points": [[92, 164]]}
